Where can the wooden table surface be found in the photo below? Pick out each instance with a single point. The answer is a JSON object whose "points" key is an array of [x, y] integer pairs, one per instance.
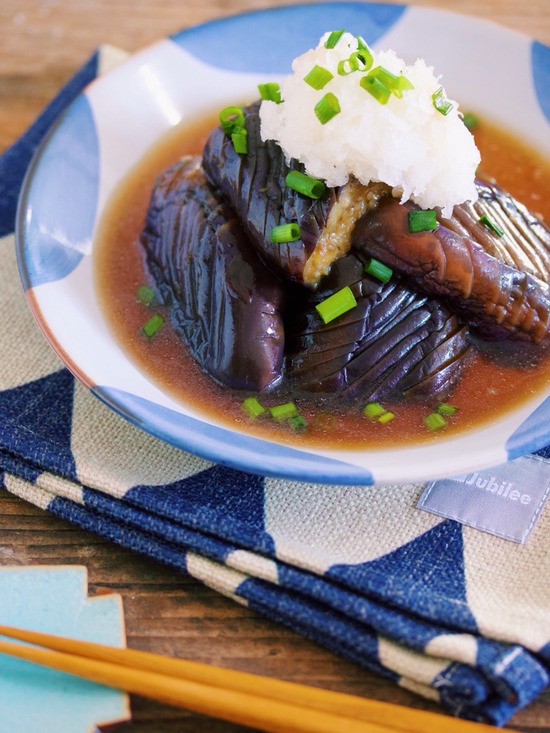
{"points": [[42, 42]]}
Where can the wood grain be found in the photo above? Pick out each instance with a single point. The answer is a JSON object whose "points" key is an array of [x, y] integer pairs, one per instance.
{"points": [[42, 43]]}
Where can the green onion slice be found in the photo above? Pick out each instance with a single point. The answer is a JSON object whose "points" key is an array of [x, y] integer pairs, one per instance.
{"points": [[301, 182], [403, 85], [357, 61], [491, 225], [445, 408], [348, 66], [364, 56], [376, 88], [373, 410], [327, 108], [318, 77], [388, 78], [334, 37], [283, 412], [441, 103], [337, 304], [422, 220], [239, 140], [285, 233], [434, 421], [231, 119], [270, 91], [386, 417], [379, 270], [145, 294], [470, 120], [297, 423], [153, 324], [364, 53], [253, 407]]}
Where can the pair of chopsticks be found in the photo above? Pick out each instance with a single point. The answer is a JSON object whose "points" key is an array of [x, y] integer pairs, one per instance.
{"points": [[240, 697]]}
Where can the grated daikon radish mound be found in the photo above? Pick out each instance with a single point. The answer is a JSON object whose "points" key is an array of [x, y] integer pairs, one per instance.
{"points": [[427, 157]]}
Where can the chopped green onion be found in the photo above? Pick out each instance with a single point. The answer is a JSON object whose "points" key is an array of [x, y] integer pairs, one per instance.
{"points": [[422, 220], [470, 120], [145, 295], [327, 108], [239, 140], [403, 85], [231, 119], [388, 79], [490, 225], [283, 412], [357, 61], [365, 57], [318, 77], [297, 423], [253, 406], [444, 408], [348, 66], [373, 410], [333, 38], [285, 233], [270, 91], [366, 54], [386, 417], [301, 182], [440, 102], [381, 83], [379, 270], [434, 421], [153, 324], [376, 88], [337, 304]]}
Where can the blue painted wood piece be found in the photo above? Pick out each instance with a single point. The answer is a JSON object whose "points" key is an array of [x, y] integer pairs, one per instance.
{"points": [[34, 699]]}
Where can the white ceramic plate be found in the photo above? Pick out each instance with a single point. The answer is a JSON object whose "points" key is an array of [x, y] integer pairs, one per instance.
{"points": [[109, 127]]}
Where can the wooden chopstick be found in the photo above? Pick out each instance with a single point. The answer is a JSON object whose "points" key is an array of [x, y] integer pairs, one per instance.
{"points": [[240, 697]]}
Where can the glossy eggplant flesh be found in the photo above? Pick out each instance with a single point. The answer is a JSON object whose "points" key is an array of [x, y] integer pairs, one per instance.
{"points": [[497, 284], [254, 186], [223, 302], [394, 344]]}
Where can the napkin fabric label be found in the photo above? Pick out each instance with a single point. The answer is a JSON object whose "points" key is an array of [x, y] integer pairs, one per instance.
{"points": [[505, 501]]}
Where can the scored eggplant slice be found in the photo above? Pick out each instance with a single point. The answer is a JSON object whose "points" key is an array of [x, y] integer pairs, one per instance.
{"points": [[395, 343], [254, 185], [223, 302], [497, 282]]}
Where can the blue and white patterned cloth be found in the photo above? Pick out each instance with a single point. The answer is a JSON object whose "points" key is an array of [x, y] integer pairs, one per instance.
{"points": [[457, 615]]}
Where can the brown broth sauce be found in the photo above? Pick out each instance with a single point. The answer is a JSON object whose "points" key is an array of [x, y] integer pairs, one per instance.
{"points": [[487, 389]]}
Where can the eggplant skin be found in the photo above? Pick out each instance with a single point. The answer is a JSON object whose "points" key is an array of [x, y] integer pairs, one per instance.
{"points": [[394, 344], [223, 302], [498, 285], [254, 185]]}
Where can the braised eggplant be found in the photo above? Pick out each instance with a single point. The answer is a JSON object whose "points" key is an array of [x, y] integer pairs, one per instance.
{"points": [[254, 186], [497, 282], [394, 344], [223, 301]]}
